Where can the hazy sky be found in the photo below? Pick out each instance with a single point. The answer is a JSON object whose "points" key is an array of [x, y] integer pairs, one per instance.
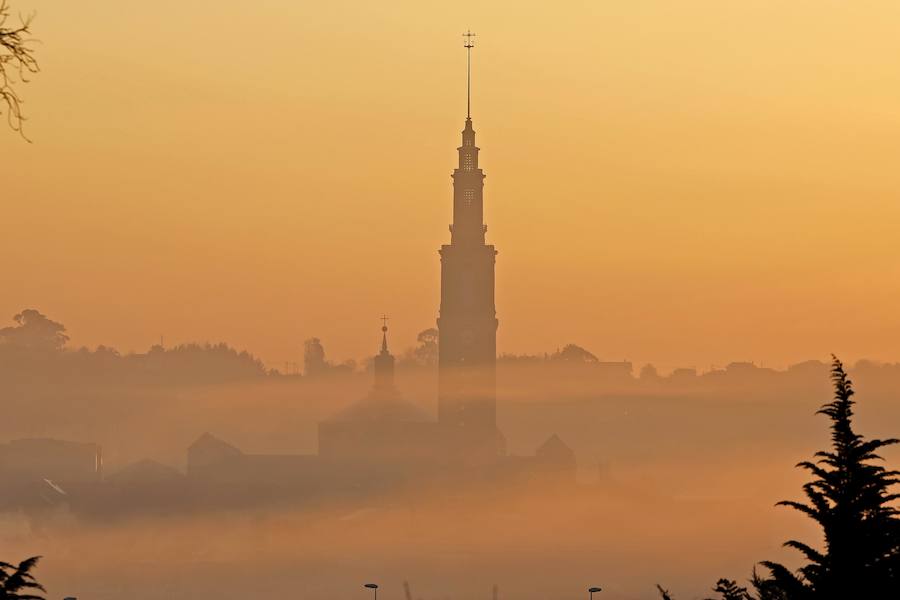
{"points": [[686, 183]]}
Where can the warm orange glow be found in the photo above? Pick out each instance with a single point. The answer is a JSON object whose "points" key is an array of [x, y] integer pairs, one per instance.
{"points": [[682, 183]]}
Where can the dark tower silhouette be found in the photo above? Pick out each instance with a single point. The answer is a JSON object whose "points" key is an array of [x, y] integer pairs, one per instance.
{"points": [[467, 324]]}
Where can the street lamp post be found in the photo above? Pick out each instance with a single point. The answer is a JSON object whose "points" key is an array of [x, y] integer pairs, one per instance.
{"points": [[592, 590], [373, 587]]}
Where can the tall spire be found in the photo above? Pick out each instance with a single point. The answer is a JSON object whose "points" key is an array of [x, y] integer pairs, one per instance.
{"points": [[468, 45], [468, 215]]}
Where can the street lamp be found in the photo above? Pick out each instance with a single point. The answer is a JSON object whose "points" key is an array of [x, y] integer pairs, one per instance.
{"points": [[373, 587], [592, 590]]}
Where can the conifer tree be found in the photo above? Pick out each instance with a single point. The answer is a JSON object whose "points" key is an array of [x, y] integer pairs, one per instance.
{"points": [[850, 498], [17, 582]]}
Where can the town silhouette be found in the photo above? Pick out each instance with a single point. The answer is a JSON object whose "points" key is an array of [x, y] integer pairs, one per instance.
{"points": [[439, 466]]}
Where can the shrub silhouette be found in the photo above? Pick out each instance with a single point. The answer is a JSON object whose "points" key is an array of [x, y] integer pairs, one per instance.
{"points": [[726, 588]]}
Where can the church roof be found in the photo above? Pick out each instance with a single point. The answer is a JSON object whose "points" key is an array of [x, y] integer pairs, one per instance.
{"points": [[554, 447], [381, 407], [209, 441]]}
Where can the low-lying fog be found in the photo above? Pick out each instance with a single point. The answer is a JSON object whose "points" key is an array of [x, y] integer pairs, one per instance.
{"points": [[676, 486]]}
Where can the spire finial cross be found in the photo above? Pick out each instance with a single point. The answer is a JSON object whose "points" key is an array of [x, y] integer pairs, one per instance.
{"points": [[468, 44], [384, 320]]}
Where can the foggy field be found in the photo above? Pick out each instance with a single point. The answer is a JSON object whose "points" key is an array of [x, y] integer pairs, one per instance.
{"points": [[676, 485]]}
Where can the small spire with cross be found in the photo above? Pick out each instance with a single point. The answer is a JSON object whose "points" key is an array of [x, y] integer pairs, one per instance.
{"points": [[384, 328], [468, 44], [383, 362]]}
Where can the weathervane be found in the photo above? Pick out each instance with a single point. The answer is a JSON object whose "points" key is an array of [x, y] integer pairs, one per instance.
{"points": [[468, 45]]}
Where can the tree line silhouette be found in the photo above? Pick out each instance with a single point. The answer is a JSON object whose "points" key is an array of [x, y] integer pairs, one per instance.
{"points": [[37, 345], [34, 349]]}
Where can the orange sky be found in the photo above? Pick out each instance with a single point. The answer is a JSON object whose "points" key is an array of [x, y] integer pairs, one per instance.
{"points": [[685, 183]]}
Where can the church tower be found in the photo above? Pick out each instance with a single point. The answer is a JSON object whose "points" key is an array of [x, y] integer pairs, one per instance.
{"points": [[467, 325]]}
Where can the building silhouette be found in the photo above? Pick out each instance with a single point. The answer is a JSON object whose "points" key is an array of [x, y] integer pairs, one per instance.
{"points": [[467, 325], [380, 442]]}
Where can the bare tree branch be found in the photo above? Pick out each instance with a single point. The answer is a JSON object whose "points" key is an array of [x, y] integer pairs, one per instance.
{"points": [[17, 63]]}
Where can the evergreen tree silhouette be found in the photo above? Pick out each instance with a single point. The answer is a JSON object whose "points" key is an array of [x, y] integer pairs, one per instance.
{"points": [[16, 581], [850, 498]]}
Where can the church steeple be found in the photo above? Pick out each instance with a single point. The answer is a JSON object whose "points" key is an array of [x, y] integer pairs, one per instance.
{"points": [[467, 325], [468, 180], [384, 363]]}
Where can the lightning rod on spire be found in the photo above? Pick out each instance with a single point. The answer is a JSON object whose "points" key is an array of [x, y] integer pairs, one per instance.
{"points": [[468, 44]]}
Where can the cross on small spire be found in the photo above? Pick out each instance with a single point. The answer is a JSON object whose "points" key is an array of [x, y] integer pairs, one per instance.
{"points": [[384, 320]]}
